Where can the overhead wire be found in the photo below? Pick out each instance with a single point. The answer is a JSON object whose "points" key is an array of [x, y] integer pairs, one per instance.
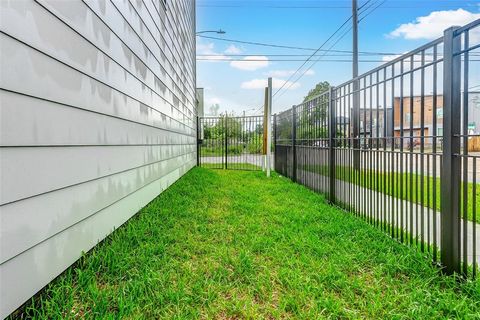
{"points": [[320, 48], [335, 43], [272, 45], [335, 5]]}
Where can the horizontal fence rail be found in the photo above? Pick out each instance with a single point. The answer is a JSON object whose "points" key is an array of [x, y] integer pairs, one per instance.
{"points": [[399, 146]]}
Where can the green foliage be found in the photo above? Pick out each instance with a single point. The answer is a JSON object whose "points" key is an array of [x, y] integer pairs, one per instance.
{"points": [[217, 130], [235, 149], [284, 128], [320, 88], [255, 147], [236, 245], [312, 121], [239, 140]]}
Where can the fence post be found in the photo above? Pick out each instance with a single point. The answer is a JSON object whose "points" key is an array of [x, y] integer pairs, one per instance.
{"points": [[356, 124], [226, 140], [294, 142], [265, 130], [275, 141], [451, 169], [198, 141], [332, 132]]}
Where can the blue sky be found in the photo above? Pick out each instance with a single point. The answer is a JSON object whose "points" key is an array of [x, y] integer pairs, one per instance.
{"points": [[397, 26]]}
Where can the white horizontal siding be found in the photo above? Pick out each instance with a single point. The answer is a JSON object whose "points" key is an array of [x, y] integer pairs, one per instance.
{"points": [[45, 261], [59, 167], [90, 128], [57, 210], [35, 73], [97, 115]]}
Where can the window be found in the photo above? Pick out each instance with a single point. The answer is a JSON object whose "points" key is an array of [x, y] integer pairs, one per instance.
{"points": [[439, 112]]}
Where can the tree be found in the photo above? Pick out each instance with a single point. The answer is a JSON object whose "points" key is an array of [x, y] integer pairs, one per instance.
{"points": [[320, 88], [234, 127]]}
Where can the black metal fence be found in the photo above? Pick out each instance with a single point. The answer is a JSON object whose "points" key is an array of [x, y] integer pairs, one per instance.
{"points": [[234, 143], [399, 146]]}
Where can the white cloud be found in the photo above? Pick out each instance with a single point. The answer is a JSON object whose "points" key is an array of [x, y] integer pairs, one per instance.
{"points": [[287, 73], [206, 48], [208, 52], [233, 50], [432, 26], [251, 63], [262, 83], [390, 58]]}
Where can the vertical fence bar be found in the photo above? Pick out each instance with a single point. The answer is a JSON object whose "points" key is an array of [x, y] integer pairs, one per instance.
{"points": [[226, 140], [356, 123], [265, 127], [434, 152], [198, 140], [395, 177], [331, 143], [275, 142], [465, 152], [450, 183], [294, 142]]}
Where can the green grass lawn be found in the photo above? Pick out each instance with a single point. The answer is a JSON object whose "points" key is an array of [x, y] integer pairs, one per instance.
{"points": [[368, 179], [231, 244], [230, 165]]}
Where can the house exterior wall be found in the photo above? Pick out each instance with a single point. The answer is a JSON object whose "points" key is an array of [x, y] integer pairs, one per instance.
{"points": [[429, 113], [98, 112]]}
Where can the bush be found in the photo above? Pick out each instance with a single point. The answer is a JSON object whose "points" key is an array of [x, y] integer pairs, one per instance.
{"points": [[255, 148], [235, 149]]}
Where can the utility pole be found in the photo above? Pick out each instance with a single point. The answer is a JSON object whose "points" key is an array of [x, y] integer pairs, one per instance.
{"points": [[355, 38], [264, 138], [356, 101]]}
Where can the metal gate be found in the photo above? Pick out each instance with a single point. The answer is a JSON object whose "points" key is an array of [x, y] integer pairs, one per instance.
{"points": [[235, 143]]}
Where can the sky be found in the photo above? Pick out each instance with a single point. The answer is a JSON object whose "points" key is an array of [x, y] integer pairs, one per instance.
{"points": [[234, 75]]}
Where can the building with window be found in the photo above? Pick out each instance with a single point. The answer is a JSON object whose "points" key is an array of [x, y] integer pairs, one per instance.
{"points": [[412, 121], [432, 111]]}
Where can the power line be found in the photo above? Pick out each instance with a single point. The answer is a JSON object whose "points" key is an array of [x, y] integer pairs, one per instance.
{"points": [[333, 7], [256, 57], [341, 37], [313, 54], [286, 46], [287, 55], [300, 60], [271, 55], [306, 70], [226, 57], [320, 48], [400, 5], [368, 13], [310, 57]]}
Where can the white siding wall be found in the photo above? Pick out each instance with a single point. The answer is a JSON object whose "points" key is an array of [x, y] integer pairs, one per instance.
{"points": [[97, 102]]}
